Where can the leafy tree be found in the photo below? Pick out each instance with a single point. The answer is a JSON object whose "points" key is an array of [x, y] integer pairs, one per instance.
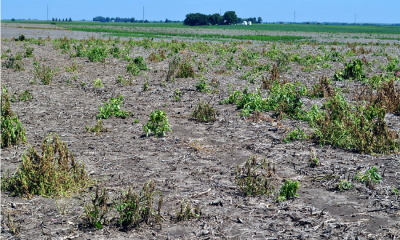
{"points": [[132, 19], [215, 19], [52, 19], [259, 20], [12, 19], [230, 17], [70, 20], [166, 20]]}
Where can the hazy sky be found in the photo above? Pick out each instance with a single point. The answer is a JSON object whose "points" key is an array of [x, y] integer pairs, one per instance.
{"points": [[368, 11]]}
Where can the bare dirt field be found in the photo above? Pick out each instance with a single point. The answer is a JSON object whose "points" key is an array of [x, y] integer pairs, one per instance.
{"points": [[196, 161]]}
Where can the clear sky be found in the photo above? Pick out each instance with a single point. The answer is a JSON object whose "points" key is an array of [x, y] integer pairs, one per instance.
{"points": [[363, 11]]}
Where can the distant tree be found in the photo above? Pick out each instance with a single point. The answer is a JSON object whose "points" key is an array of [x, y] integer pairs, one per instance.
{"points": [[70, 20], [166, 20], [132, 20], [12, 19], [107, 19], [52, 19], [230, 17], [214, 19], [259, 20], [146, 21]]}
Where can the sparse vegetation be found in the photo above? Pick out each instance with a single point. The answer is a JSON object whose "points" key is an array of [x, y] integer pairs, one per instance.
{"points": [[255, 178], [204, 112], [113, 108], [54, 173]]}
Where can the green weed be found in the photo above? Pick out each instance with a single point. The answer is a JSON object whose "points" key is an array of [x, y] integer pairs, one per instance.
{"points": [[158, 124], [187, 212], [12, 131], [96, 128], [344, 185], [370, 178], [288, 190], [43, 73], [352, 70], [113, 108], [201, 86], [95, 214], [54, 173], [185, 70], [296, 134], [97, 83], [14, 63], [97, 54]]}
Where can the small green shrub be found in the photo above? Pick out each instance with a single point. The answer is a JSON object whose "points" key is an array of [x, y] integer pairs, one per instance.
{"points": [[255, 178], [97, 54], [113, 109], [29, 52], [73, 68], [352, 70], [14, 63], [370, 178], [201, 86], [203, 112], [43, 73], [177, 94], [145, 86], [185, 70], [54, 173], [187, 212], [158, 124], [97, 83], [288, 190], [12, 131], [360, 127], [344, 185]]}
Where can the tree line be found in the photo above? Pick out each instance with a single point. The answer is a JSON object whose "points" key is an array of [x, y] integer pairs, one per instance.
{"points": [[229, 17], [116, 19], [61, 20]]}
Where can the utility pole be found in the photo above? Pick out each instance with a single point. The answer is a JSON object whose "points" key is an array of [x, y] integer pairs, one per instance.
{"points": [[47, 12], [143, 14], [294, 17]]}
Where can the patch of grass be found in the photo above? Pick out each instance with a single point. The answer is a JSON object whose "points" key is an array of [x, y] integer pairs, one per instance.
{"points": [[125, 82], [255, 178], [201, 86], [29, 52], [43, 73], [97, 83], [14, 229], [54, 173], [12, 131], [185, 69], [288, 190], [113, 108], [73, 68], [14, 63], [134, 208], [157, 57], [97, 54], [136, 65], [187, 212], [158, 124], [360, 127], [96, 128], [204, 112], [145, 86], [323, 89], [294, 135], [95, 214]]}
